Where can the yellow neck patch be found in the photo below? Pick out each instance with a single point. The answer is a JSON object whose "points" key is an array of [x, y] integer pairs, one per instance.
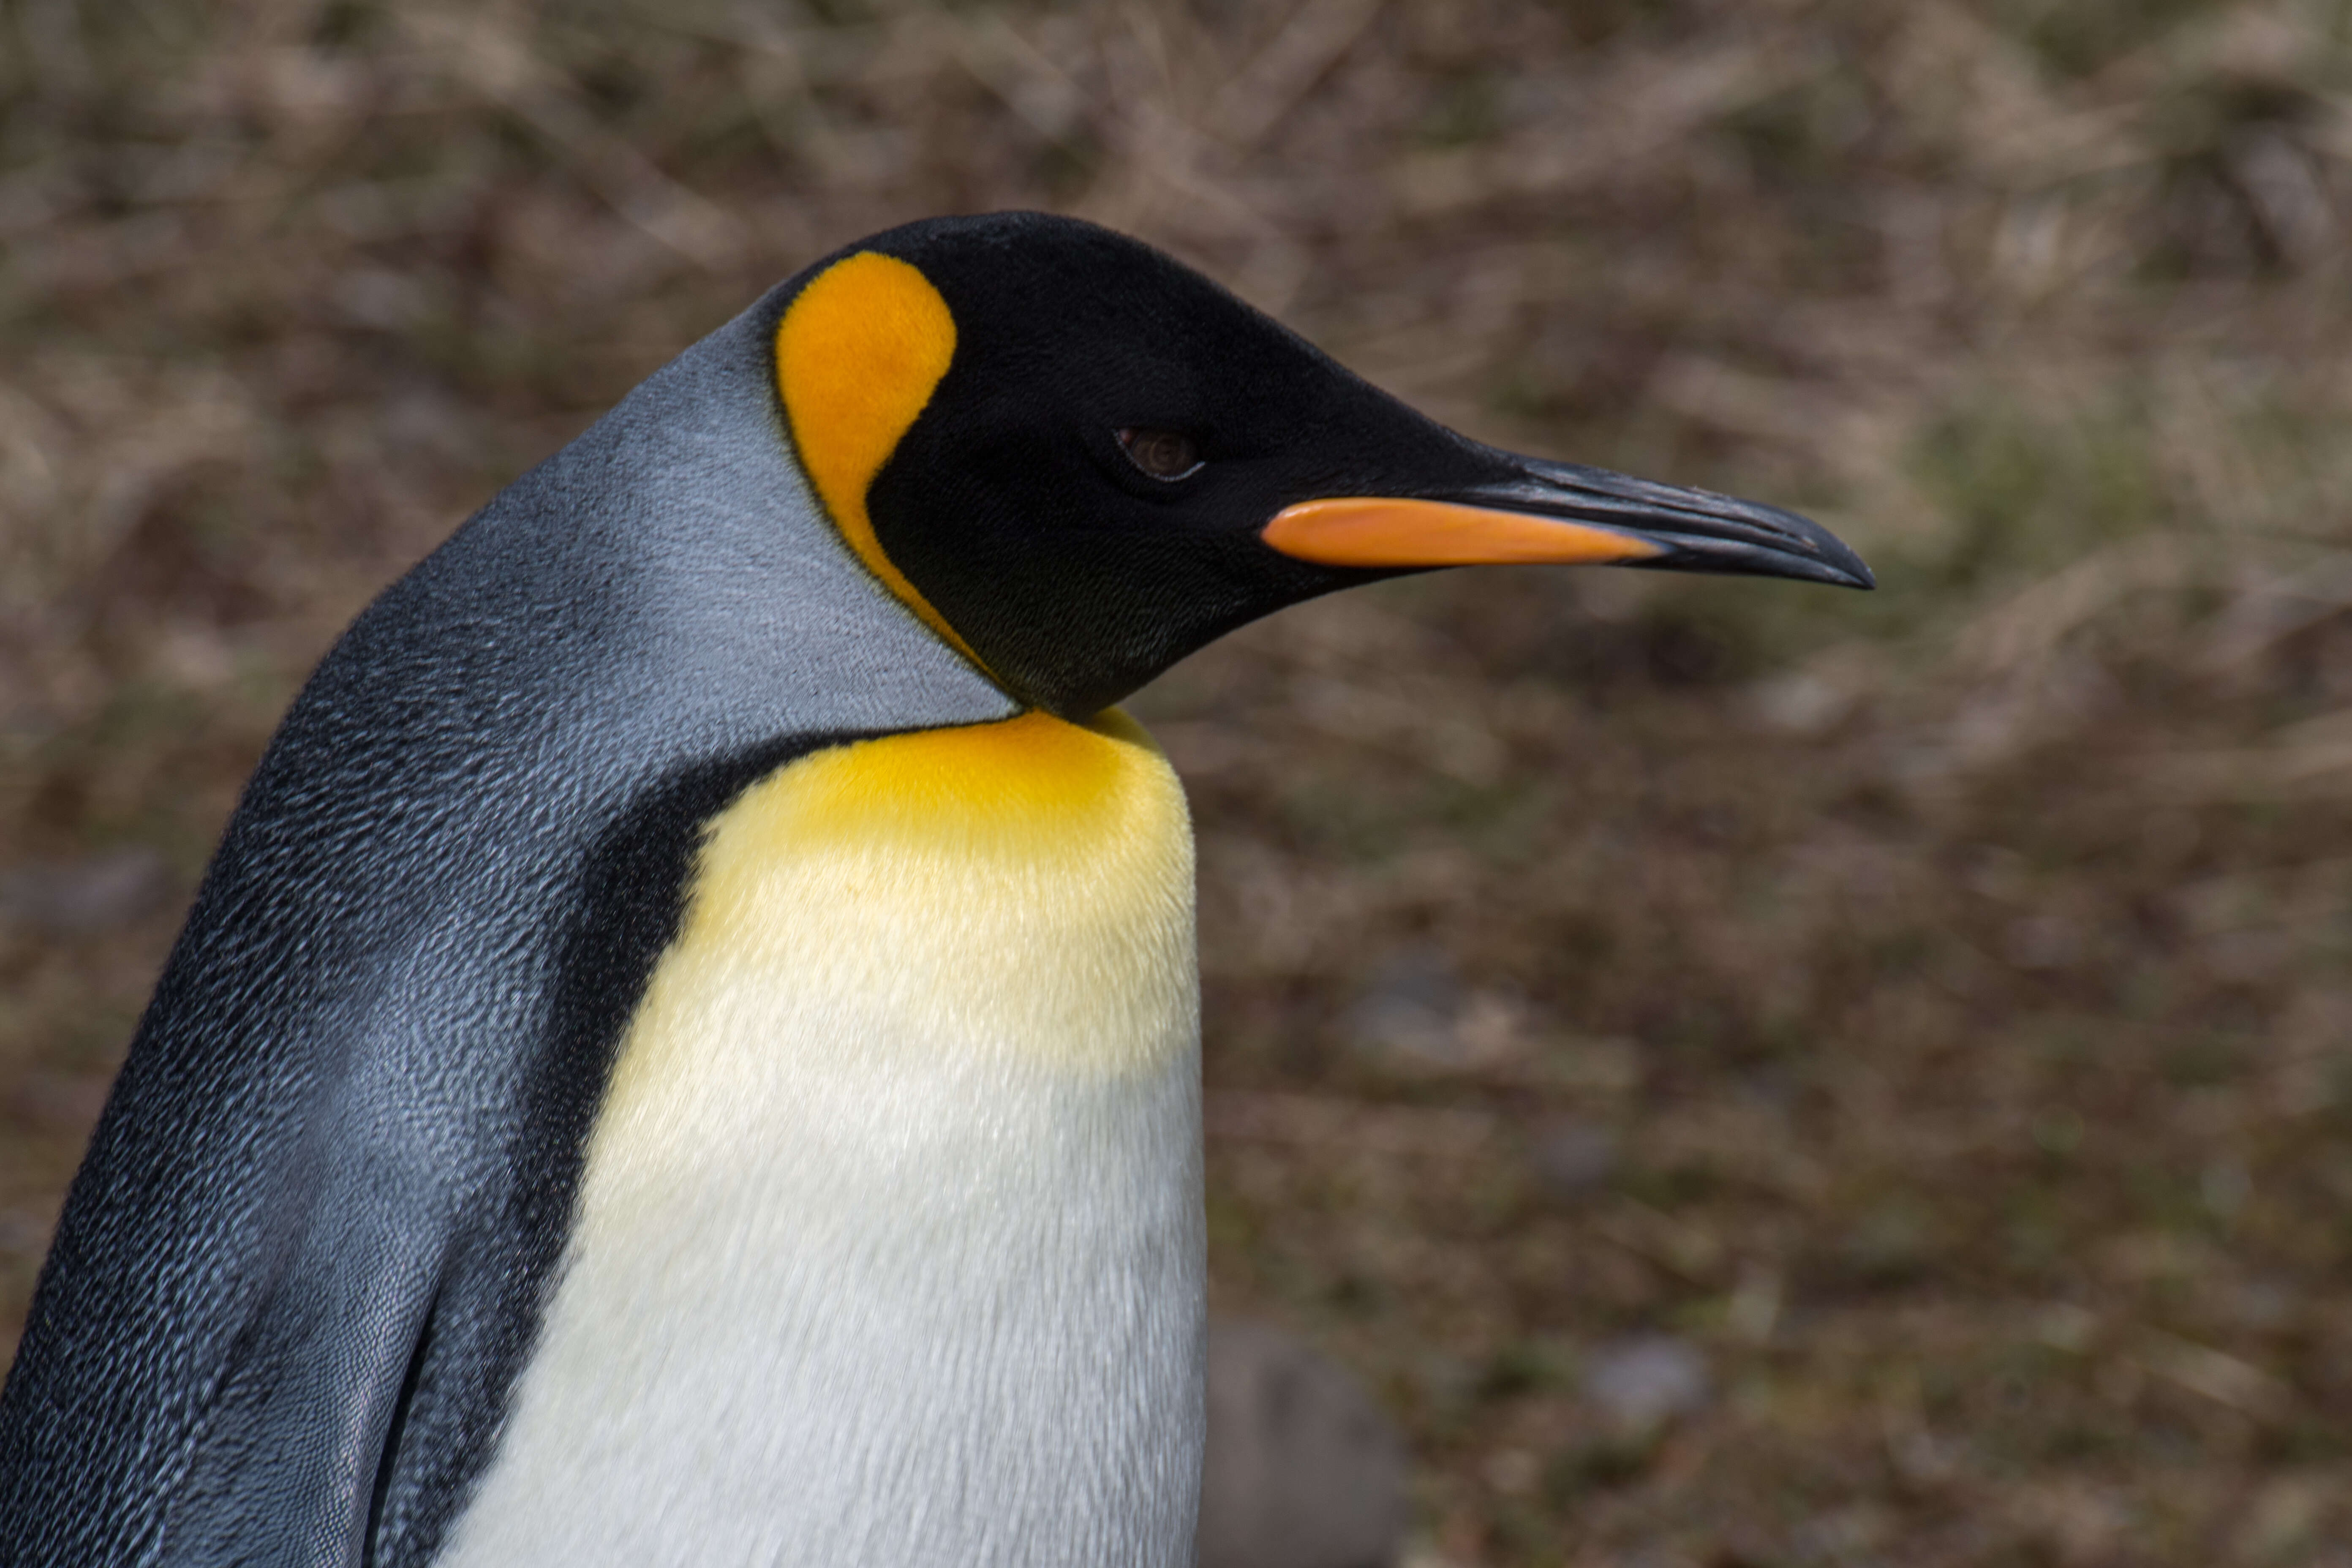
{"points": [[858, 355], [1015, 891], [1036, 786]]}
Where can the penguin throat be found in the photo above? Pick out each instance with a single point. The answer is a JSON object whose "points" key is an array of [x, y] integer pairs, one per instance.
{"points": [[1036, 873]]}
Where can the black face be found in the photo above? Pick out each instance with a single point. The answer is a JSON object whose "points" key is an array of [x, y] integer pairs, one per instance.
{"points": [[1050, 542], [1082, 495]]}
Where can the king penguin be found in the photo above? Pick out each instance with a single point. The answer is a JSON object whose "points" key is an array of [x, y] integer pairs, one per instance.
{"points": [[687, 1053]]}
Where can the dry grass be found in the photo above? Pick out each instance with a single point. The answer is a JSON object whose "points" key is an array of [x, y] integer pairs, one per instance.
{"points": [[1958, 976]]}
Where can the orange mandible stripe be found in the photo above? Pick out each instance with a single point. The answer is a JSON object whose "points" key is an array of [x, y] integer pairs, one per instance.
{"points": [[858, 354], [1380, 530]]}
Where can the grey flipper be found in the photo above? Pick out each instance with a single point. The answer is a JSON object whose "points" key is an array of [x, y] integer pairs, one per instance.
{"points": [[306, 1254]]}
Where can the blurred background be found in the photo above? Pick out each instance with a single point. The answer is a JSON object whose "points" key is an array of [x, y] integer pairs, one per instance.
{"points": [[1743, 1074]]}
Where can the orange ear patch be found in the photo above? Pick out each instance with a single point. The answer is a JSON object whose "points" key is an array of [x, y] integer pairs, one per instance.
{"points": [[858, 355]]}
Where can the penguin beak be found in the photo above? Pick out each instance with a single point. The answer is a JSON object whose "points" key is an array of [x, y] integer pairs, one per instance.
{"points": [[1565, 513]]}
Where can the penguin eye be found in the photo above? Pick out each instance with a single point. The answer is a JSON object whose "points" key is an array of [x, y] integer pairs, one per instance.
{"points": [[1162, 454]]}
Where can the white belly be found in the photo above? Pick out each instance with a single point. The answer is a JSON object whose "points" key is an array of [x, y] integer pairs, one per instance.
{"points": [[890, 1245]]}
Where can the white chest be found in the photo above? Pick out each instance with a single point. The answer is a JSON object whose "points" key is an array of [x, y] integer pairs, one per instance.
{"points": [[889, 1246]]}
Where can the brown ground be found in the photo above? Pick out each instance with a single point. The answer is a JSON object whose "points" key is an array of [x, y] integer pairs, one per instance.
{"points": [[1929, 1008]]}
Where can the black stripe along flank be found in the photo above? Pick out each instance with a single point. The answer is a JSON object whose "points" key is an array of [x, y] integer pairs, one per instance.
{"points": [[632, 900]]}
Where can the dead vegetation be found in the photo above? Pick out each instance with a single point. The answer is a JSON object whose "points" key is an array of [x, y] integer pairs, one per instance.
{"points": [[1929, 1009]]}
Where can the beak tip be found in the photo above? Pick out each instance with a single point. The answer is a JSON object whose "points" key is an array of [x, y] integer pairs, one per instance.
{"points": [[1808, 550], [1854, 573], [1823, 559]]}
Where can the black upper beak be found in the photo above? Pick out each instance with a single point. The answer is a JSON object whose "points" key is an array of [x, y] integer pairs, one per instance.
{"points": [[1693, 529]]}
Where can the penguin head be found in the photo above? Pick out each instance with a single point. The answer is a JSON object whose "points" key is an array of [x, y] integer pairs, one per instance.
{"points": [[1078, 460]]}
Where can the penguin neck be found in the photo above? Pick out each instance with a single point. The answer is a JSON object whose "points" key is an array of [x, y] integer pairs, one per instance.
{"points": [[889, 1243], [988, 894]]}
